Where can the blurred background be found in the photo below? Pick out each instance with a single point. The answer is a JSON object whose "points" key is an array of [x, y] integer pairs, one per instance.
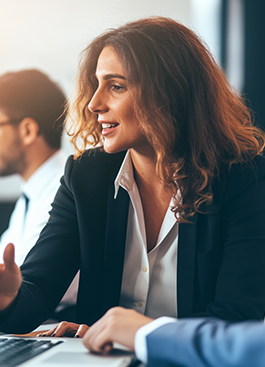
{"points": [[49, 35]]}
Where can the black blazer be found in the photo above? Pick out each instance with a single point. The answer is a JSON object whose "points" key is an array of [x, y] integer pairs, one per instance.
{"points": [[221, 255]]}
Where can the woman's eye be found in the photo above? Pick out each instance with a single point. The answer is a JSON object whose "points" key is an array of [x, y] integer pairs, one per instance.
{"points": [[117, 88]]}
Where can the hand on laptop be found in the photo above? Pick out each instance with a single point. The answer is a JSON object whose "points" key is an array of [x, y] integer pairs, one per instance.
{"points": [[10, 278], [117, 325], [66, 329]]}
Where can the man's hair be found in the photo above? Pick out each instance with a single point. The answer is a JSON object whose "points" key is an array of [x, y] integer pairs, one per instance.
{"points": [[30, 93], [188, 111]]}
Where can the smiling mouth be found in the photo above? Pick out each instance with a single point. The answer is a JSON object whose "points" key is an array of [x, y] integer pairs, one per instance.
{"points": [[109, 126]]}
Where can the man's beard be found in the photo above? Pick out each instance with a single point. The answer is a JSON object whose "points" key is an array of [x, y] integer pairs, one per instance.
{"points": [[14, 161]]}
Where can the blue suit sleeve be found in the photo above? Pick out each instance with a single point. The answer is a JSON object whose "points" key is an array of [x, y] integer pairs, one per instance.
{"points": [[204, 342]]}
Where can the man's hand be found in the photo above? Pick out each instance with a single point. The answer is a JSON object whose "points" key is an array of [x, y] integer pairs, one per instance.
{"points": [[10, 278], [117, 325]]}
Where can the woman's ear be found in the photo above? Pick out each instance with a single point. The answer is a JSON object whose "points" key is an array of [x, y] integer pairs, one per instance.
{"points": [[28, 130]]}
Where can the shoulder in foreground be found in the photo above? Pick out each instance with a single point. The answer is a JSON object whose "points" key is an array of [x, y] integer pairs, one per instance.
{"points": [[242, 175], [96, 161], [251, 170], [98, 155]]}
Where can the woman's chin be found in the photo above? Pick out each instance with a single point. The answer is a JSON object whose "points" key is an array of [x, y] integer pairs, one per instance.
{"points": [[111, 149]]}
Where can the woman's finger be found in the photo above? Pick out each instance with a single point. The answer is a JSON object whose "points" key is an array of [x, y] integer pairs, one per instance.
{"points": [[47, 331], [65, 329], [62, 329], [81, 331]]}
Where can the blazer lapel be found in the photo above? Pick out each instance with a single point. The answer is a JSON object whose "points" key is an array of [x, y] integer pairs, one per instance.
{"points": [[115, 241], [186, 267]]}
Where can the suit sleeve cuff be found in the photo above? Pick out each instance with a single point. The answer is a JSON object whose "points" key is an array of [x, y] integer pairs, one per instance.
{"points": [[140, 345]]}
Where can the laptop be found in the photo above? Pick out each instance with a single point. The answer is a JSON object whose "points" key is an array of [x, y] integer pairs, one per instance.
{"points": [[57, 352]]}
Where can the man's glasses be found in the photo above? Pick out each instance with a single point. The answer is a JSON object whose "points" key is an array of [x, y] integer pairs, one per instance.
{"points": [[11, 121]]}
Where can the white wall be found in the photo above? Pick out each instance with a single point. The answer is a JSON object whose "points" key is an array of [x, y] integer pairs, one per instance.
{"points": [[205, 15], [50, 34]]}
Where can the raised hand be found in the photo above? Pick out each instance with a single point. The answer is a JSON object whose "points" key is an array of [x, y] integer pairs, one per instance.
{"points": [[117, 325], [10, 278]]}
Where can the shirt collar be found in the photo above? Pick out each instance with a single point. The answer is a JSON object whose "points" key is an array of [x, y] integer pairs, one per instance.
{"points": [[125, 179], [40, 178], [125, 176]]}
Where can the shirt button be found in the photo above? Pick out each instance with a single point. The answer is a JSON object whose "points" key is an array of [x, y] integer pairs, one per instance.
{"points": [[139, 304], [144, 269]]}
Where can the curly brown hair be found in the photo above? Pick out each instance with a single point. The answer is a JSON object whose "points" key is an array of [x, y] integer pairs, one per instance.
{"points": [[189, 112]]}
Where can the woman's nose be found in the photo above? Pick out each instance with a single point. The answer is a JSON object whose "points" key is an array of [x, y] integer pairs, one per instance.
{"points": [[97, 104]]}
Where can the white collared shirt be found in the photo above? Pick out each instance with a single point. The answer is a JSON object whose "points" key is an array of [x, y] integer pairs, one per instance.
{"points": [[149, 283], [40, 189]]}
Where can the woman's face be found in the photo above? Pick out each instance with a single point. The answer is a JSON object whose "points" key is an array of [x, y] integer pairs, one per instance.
{"points": [[112, 102]]}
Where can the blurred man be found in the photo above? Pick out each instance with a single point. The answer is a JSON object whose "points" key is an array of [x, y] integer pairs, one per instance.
{"points": [[31, 118], [31, 126]]}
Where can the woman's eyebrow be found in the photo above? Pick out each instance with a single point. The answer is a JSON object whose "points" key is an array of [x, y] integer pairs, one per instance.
{"points": [[110, 76]]}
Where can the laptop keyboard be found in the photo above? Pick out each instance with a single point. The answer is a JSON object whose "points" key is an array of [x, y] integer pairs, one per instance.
{"points": [[13, 352]]}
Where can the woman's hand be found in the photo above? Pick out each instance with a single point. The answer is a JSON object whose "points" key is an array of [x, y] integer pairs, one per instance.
{"points": [[66, 329], [117, 325], [10, 278]]}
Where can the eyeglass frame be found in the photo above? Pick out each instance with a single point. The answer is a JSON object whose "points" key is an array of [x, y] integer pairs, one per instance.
{"points": [[11, 121]]}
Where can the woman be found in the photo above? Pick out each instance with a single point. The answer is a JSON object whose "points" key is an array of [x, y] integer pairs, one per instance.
{"points": [[167, 218]]}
